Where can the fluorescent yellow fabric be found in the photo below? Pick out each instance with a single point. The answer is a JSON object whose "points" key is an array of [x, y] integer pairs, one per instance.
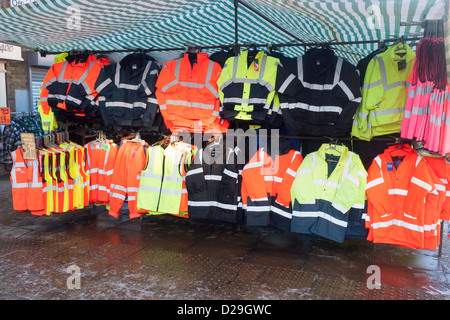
{"points": [[384, 93]]}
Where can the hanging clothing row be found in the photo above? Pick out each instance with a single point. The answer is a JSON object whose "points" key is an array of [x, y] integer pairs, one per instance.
{"points": [[59, 181], [427, 105]]}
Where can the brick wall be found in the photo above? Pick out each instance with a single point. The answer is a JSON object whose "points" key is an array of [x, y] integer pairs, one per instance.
{"points": [[16, 78], [4, 4]]}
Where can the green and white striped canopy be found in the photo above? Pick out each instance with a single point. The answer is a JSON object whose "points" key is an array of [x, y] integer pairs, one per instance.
{"points": [[62, 25]]}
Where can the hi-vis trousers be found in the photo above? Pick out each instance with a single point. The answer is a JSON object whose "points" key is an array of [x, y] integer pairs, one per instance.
{"points": [[130, 161]]}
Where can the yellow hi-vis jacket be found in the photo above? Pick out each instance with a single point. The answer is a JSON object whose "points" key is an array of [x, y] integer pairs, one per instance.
{"points": [[383, 93], [328, 183]]}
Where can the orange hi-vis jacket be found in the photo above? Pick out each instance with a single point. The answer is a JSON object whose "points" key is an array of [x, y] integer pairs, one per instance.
{"points": [[266, 188], [401, 189], [27, 185], [100, 160], [69, 88], [188, 95]]}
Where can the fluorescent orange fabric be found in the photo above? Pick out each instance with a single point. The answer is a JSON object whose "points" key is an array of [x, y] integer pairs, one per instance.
{"points": [[70, 86], [130, 161], [26, 182], [187, 94], [398, 197], [441, 168], [100, 160], [266, 187]]}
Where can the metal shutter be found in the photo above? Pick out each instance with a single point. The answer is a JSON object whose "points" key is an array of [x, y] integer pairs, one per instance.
{"points": [[37, 78]]}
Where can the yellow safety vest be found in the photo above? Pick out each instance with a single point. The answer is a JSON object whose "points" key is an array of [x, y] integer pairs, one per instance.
{"points": [[161, 181]]}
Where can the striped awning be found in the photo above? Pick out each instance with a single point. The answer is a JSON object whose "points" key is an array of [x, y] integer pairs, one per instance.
{"points": [[62, 25]]}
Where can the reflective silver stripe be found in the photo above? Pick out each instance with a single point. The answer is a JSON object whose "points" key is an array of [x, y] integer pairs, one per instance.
{"points": [[248, 101], [300, 68], [117, 195], [372, 85], [103, 85], [194, 171], [122, 104], [208, 78], [319, 214], [158, 177], [400, 192], [258, 208], [400, 223], [190, 104], [385, 112], [347, 91], [286, 214], [132, 189], [384, 76], [338, 207], [117, 187], [374, 183], [213, 177], [286, 83], [230, 173], [418, 111], [57, 96], [63, 71], [273, 178], [337, 72], [212, 204], [19, 185], [177, 74], [49, 83], [308, 107], [165, 191], [421, 183]]}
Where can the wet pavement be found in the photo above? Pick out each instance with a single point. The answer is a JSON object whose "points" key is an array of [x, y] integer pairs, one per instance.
{"points": [[171, 258]]}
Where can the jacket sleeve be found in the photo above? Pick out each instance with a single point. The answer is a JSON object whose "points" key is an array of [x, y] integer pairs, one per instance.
{"points": [[303, 191], [104, 84], [50, 78], [148, 86], [348, 194], [421, 190], [225, 77], [254, 180], [370, 97], [284, 193], [348, 92], [287, 82], [376, 188], [195, 177]]}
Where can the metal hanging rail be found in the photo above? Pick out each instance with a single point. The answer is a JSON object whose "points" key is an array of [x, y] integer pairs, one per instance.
{"points": [[229, 46]]}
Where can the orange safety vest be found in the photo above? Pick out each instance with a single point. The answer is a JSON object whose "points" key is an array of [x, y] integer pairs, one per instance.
{"points": [[399, 196], [100, 158], [188, 96], [26, 181]]}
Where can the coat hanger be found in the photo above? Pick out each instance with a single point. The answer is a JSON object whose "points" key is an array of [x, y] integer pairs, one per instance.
{"points": [[333, 145]]}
